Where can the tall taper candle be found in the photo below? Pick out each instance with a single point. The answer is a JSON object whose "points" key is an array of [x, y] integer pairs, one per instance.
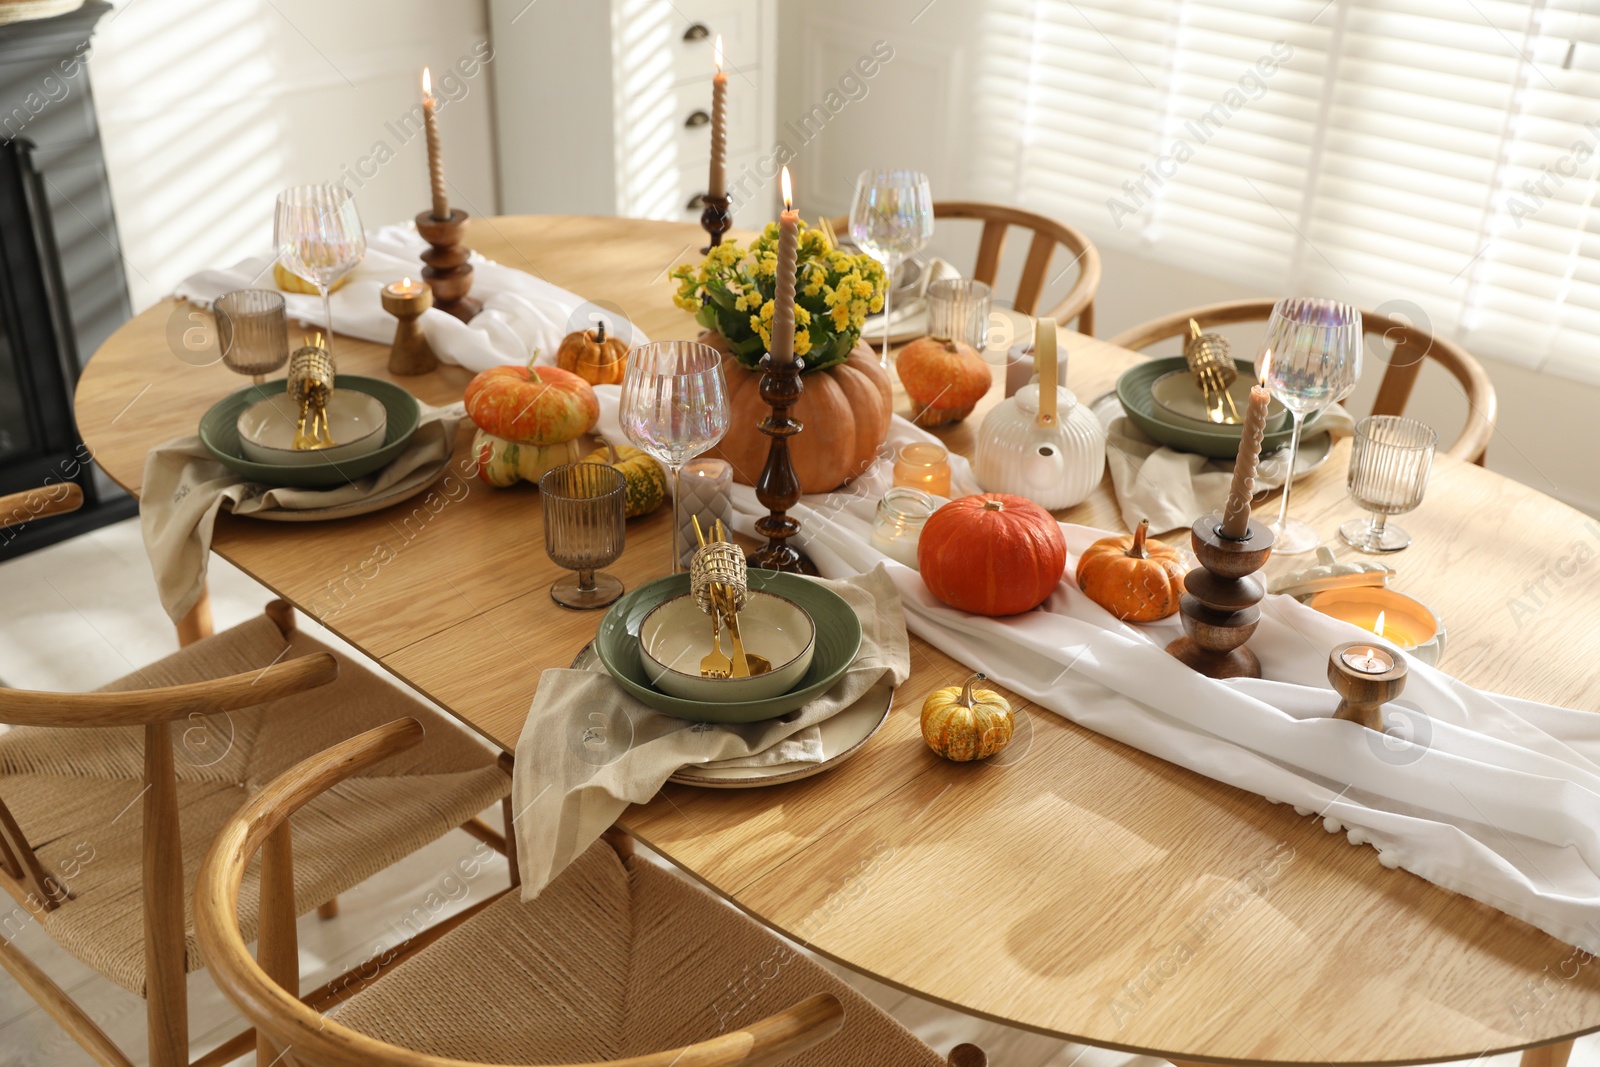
{"points": [[718, 185], [1236, 513], [441, 202], [782, 347]]}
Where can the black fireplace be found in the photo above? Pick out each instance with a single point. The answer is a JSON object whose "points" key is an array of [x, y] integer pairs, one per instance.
{"points": [[62, 290]]}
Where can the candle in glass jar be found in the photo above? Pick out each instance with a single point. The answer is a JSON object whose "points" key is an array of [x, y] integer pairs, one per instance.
{"points": [[719, 126], [925, 467], [441, 202], [782, 346], [706, 485], [898, 526]]}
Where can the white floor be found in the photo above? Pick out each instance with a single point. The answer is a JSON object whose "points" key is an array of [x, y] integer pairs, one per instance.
{"points": [[85, 612]]}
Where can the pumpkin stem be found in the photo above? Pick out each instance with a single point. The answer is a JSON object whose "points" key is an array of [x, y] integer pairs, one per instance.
{"points": [[966, 689], [600, 333], [994, 505], [611, 452], [1137, 549], [534, 358]]}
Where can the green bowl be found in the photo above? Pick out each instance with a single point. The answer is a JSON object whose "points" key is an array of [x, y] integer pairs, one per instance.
{"points": [[219, 432], [838, 641], [1133, 390]]}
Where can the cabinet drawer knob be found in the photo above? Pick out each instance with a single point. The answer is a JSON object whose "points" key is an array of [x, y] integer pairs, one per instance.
{"points": [[697, 117], [696, 32]]}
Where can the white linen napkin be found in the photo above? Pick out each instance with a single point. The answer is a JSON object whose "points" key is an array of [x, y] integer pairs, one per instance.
{"points": [[1493, 797], [588, 750], [185, 486], [523, 317], [1171, 488]]}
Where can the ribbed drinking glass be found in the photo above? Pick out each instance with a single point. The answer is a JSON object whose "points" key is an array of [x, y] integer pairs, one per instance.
{"points": [[584, 529], [1389, 463], [252, 331]]}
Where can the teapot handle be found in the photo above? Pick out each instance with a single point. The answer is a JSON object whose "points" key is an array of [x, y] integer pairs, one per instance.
{"points": [[1044, 359]]}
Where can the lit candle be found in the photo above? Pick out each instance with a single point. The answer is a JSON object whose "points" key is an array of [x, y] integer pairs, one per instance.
{"points": [[1368, 660], [441, 203], [925, 467], [782, 346], [404, 287], [1236, 513], [706, 485], [719, 125]]}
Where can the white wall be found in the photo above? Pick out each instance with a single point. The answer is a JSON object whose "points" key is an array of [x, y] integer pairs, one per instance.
{"points": [[919, 112], [209, 107]]}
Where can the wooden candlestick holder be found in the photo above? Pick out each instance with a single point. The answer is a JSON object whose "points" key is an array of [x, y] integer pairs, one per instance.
{"points": [[779, 486], [448, 273], [716, 219], [1219, 606], [1362, 693], [409, 352]]}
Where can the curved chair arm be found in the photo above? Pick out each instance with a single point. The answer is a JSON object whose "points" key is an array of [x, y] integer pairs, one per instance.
{"points": [[139, 707], [321, 1042], [1177, 324], [1079, 301], [58, 499]]}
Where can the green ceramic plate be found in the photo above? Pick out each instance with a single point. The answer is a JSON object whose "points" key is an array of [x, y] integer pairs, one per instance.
{"points": [[219, 432], [838, 641], [1133, 390]]}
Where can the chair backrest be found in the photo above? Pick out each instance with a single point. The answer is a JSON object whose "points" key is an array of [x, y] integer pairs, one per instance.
{"points": [[319, 1041], [1411, 345], [58, 499], [997, 221]]}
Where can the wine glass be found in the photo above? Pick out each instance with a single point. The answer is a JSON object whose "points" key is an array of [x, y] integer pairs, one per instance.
{"points": [[674, 406], [1310, 359], [1389, 463], [891, 219], [318, 235]]}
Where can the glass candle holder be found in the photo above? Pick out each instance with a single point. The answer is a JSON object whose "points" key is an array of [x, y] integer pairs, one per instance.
{"points": [[706, 485], [925, 467], [958, 310], [252, 331], [898, 526]]}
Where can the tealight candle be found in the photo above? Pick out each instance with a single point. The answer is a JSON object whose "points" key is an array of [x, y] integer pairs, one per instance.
{"points": [[898, 526], [706, 485], [1366, 677], [1368, 660], [925, 467], [409, 352]]}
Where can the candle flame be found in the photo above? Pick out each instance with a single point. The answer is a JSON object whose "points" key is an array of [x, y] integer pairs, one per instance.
{"points": [[716, 53], [1266, 367], [405, 283], [788, 191], [427, 82], [1377, 627]]}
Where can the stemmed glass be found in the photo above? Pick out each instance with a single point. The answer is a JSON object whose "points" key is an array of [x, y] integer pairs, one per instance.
{"points": [[583, 510], [1310, 359], [1389, 463], [319, 237], [674, 406], [891, 219]]}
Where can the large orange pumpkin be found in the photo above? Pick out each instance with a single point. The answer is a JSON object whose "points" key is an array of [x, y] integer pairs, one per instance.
{"points": [[944, 379], [1136, 578], [535, 405], [992, 554], [845, 410]]}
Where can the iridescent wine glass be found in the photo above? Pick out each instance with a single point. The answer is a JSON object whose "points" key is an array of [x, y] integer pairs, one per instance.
{"points": [[318, 236], [891, 219]]}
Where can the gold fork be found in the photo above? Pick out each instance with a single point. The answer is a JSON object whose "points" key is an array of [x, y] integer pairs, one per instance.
{"points": [[715, 664]]}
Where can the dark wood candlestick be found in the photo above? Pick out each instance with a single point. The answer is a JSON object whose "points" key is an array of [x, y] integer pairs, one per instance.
{"points": [[779, 486], [1219, 606], [1363, 693], [448, 273], [716, 219]]}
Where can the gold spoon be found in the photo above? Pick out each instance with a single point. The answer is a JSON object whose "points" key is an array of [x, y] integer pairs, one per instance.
{"points": [[752, 664]]}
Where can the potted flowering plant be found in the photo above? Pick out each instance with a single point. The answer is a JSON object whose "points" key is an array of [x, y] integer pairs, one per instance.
{"points": [[732, 289]]}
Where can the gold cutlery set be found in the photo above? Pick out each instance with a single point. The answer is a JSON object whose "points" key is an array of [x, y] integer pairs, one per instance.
{"points": [[721, 595], [1214, 371]]}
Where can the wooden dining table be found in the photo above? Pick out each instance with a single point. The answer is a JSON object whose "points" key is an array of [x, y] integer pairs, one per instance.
{"points": [[1072, 886]]}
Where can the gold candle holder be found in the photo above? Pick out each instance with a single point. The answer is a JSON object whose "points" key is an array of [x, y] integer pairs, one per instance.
{"points": [[409, 352], [1366, 675]]}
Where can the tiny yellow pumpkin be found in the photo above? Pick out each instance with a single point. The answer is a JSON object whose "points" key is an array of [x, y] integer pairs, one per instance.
{"points": [[290, 282], [646, 483], [962, 723]]}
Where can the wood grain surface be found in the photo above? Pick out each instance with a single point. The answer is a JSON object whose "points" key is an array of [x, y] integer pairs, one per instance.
{"points": [[1074, 886]]}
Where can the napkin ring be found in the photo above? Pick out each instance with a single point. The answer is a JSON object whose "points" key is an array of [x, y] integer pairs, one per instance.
{"points": [[718, 562]]}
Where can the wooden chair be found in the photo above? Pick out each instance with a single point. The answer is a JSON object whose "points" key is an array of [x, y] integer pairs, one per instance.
{"points": [[108, 800], [1047, 233], [1410, 346], [616, 961]]}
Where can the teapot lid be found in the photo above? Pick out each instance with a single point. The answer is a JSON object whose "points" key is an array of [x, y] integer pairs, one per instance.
{"points": [[1027, 399]]}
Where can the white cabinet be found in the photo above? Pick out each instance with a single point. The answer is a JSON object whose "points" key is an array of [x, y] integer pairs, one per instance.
{"points": [[604, 108]]}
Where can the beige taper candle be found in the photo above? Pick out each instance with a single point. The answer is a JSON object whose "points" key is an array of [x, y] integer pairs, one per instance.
{"points": [[1236, 513], [441, 202], [718, 185], [782, 346]]}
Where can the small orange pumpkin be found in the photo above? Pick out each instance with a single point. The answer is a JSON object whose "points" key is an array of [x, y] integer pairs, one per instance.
{"points": [[594, 357], [1136, 578], [962, 723], [944, 379]]}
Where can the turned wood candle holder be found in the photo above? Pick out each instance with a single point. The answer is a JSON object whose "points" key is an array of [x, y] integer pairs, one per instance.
{"points": [[1219, 606], [779, 486], [1366, 675], [716, 219], [409, 352], [448, 273]]}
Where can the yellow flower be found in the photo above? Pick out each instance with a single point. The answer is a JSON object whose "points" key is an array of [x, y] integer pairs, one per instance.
{"points": [[840, 315], [802, 342]]}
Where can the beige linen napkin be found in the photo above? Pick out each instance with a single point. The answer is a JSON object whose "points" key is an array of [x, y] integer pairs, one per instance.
{"points": [[1169, 487], [588, 750], [185, 486]]}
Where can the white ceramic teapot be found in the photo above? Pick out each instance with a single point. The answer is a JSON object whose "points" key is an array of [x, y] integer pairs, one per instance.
{"points": [[1041, 443]]}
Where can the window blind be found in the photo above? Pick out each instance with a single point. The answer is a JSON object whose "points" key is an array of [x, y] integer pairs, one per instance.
{"points": [[1436, 154]]}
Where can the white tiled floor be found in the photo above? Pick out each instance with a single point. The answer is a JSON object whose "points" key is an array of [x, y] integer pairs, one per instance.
{"points": [[83, 612]]}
